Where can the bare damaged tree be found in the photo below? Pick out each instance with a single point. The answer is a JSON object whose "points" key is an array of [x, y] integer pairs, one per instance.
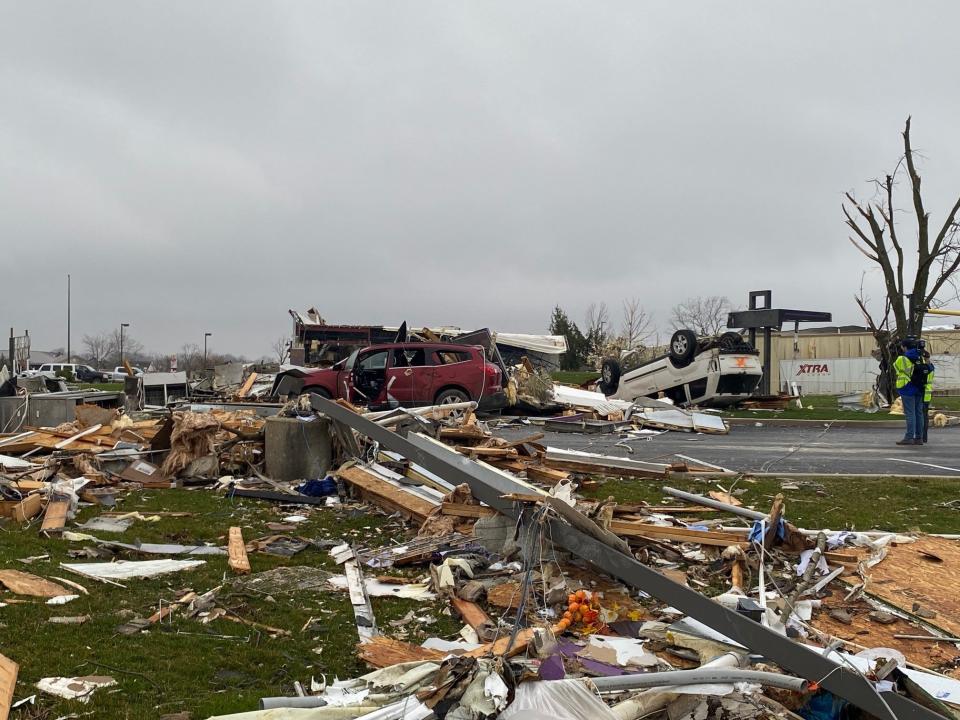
{"points": [[875, 234], [636, 324], [281, 349], [597, 327], [703, 315], [875, 231], [98, 349]]}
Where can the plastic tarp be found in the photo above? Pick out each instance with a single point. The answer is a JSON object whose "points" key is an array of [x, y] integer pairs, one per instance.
{"points": [[556, 700]]}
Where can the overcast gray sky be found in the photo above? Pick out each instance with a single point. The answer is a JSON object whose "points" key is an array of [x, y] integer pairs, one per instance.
{"points": [[205, 166]]}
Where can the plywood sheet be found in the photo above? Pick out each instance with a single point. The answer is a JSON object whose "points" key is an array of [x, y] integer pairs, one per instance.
{"points": [[927, 572], [56, 516], [867, 633]]}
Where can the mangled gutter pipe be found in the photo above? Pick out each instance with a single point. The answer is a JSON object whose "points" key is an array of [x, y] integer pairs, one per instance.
{"points": [[653, 700], [716, 504], [490, 485], [679, 678]]}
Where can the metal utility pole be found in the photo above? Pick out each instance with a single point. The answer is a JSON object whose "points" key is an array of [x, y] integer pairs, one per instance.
{"points": [[69, 357], [122, 326], [205, 336]]}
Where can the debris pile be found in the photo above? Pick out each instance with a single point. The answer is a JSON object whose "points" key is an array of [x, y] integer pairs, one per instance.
{"points": [[569, 606]]}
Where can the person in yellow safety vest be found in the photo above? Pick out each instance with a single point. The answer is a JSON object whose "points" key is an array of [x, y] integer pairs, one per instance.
{"points": [[910, 393], [927, 393]]}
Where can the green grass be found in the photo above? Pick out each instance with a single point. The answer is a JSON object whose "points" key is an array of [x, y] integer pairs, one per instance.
{"points": [[889, 504], [574, 377], [108, 386], [183, 665], [824, 407]]}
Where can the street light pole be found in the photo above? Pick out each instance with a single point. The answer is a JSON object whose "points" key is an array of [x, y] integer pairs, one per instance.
{"points": [[69, 359], [122, 326], [205, 336]]}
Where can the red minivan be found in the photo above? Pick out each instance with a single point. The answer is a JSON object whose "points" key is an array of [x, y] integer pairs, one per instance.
{"points": [[409, 374]]}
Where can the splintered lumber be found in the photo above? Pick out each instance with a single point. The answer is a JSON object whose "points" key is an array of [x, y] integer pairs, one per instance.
{"points": [[247, 385], [22, 583], [773, 521], [8, 681], [237, 552], [676, 534], [381, 652], [56, 516], [503, 647], [474, 616], [386, 495]]}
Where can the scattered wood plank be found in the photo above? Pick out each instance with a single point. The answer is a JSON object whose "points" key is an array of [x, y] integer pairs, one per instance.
{"points": [[83, 433], [676, 534], [385, 495], [381, 652], [465, 510], [488, 452], [8, 682], [237, 552], [23, 583], [56, 516]]}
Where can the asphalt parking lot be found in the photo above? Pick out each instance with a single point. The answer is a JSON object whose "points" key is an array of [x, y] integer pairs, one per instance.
{"points": [[747, 448]]}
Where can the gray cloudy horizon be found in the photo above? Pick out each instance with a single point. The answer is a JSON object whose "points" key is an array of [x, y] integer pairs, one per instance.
{"points": [[206, 166]]}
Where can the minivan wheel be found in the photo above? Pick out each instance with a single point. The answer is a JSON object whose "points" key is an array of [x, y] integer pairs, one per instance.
{"points": [[451, 396], [609, 376], [683, 346], [318, 391]]}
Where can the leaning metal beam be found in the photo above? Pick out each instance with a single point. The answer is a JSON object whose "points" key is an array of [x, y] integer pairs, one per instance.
{"points": [[490, 485]]}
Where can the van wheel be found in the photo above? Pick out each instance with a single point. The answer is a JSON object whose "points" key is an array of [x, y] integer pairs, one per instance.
{"points": [[683, 346], [609, 376], [317, 391], [451, 396]]}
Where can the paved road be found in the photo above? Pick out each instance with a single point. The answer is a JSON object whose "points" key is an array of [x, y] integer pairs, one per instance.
{"points": [[782, 449]]}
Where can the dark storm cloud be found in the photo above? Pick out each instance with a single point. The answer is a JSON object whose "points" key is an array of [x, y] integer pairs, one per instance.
{"points": [[205, 166]]}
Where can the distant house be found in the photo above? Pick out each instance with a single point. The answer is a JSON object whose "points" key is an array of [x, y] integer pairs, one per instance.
{"points": [[39, 357]]}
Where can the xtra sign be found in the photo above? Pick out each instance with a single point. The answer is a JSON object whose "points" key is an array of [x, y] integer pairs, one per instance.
{"points": [[813, 369]]}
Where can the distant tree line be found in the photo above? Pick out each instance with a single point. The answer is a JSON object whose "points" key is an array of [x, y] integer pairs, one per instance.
{"points": [[102, 351]]}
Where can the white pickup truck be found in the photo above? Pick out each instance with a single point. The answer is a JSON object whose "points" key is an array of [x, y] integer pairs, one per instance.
{"points": [[715, 371], [119, 373]]}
